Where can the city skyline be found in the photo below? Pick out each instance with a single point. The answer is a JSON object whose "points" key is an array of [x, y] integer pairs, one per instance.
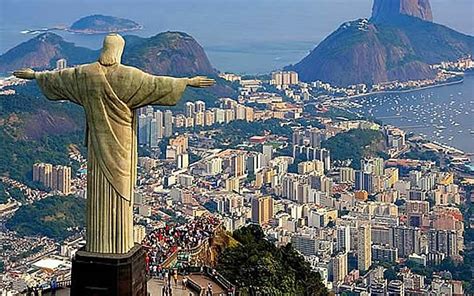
{"points": [[288, 182]]}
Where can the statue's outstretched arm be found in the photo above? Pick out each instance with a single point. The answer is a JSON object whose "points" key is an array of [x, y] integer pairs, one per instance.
{"points": [[201, 81], [160, 90], [55, 85], [26, 73]]}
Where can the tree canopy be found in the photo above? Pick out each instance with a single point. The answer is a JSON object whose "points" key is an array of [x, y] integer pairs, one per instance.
{"points": [[258, 265], [354, 145], [51, 217]]}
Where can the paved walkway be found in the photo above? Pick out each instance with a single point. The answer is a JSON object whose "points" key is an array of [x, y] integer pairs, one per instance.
{"points": [[155, 286]]}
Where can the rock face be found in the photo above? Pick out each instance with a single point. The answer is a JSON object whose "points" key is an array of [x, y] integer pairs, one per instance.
{"points": [[400, 48], [386, 9], [42, 51], [170, 53]]}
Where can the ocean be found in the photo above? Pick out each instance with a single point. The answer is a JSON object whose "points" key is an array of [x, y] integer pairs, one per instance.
{"points": [[444, 114], [243, 36], [258, 36]]}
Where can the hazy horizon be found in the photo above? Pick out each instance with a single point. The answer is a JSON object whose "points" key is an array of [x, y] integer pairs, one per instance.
{"points": [[241, 36]]}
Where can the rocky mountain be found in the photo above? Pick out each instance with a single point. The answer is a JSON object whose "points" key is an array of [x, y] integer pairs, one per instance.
{"points": [[384, 48], [169, 53], [99, 24], [386, 9], [42, 52]]}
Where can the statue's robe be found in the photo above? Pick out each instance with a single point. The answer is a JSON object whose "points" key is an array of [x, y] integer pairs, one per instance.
{"points": [[110, 95]]}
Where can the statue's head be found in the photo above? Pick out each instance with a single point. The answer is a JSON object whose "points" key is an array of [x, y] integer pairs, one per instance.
{"points": [[112, 50]]}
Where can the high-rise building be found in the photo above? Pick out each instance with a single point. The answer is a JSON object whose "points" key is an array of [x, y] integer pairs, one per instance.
{"points": [[168, 123], [150, 127], [284, 78], [189, 109], [232, 184], [180, 143], [238, 165], [182, 161], [209, 118], [153, 141], [262, 209], [254, 162], [406, 239], [447, 242], [159, 124], [315, 138], [364, 249], [414, 177], [249, 114], [384, 253], [373, 165], [364, 181], [396, 288], [61, 179], [417, 212], [219, 115], [378, 287], [56, 178], [229, 115], [339, 267], [305, 243], [61, 64], [42, 172], [180, 121], [214, 166], [199, 119], [142, 129], [346, 175], [343, 239], [200, 106], [323, 155], [298, 138], [267, 154], [239, 111]]}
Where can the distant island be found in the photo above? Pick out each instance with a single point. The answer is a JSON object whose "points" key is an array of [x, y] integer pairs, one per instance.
{"points": [[100, 24], [94, 24]]}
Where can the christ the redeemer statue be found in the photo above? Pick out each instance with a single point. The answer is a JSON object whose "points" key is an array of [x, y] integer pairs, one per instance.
{"points": [[110, 93]]}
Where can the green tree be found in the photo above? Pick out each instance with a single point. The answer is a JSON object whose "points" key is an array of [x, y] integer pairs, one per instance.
{"points": [[354, 145], [257, 264], [49, 217]]}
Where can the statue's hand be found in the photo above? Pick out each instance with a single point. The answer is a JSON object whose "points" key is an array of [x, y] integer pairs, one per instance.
{"points": [[201, 81], [25, 74]]}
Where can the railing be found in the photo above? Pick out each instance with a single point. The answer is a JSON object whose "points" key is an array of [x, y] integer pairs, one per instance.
{"points": [[194, 286], [170, 260], [212, 273], [192, 251], [48, 287]]}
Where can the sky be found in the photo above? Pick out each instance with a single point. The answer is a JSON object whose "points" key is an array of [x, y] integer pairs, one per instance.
{"points": [[238, 35]]}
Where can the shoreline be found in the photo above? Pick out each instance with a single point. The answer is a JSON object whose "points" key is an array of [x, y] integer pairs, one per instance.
{"points": [[84, 32], [405, 91], [435, 141]]}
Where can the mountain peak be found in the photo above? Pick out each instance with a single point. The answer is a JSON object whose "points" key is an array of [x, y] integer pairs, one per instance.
{"points": [[49, 36], [385, 10], [42, 52], [167, 53]]}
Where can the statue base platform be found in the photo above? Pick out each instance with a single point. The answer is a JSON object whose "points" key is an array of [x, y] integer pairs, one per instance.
{"points": [[97, 274]]}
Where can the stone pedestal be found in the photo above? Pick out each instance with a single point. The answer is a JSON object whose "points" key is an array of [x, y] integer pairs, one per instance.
{"points": [[96, 274]]}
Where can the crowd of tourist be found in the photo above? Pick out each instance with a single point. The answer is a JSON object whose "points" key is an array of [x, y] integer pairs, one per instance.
{"points": [[163, 242]]}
